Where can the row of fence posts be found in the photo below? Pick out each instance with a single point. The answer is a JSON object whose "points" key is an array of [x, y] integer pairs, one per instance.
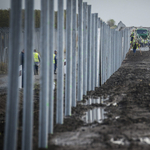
{"points": [[100, 53]]}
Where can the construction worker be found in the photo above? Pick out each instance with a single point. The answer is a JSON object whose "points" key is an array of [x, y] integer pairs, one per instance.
{"points": [[36, 62], [133, 40], [55, 60], [142, 42], [146, 42], [135, 46], [149, 44], [132, 35]]}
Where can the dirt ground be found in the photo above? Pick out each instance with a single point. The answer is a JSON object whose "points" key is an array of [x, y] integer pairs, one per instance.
{"points": [[124, 117]]}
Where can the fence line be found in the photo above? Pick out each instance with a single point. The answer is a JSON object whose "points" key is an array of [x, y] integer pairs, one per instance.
{"points": [[101, 51]]}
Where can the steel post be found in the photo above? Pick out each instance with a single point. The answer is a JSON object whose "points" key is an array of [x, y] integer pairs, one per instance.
{"points": [[44, 86], [85, 15], [60, 62], [103, 42], [117, 58], [28, 77], [106, 54], [74, 29], [11, 124], [110, 51], [80, 50], [99, 53], [1, 45], [96, 51], [93, 54], [68, 79], [51, 65], [89, 49]]}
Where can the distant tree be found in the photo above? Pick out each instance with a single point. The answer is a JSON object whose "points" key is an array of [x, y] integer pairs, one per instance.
{"points": [[4, 18], [111, 22], [113, 27], [37, 14]]}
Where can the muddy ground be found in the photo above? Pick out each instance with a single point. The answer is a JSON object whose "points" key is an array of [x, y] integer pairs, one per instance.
{"points": [[126, 118]]}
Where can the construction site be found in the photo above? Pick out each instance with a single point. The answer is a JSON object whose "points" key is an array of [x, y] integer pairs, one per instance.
{"points": [[96, 97]]}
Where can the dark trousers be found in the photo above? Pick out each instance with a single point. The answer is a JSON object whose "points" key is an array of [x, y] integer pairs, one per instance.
{"points": [[134, 50], [55, 67], [36, 69], [22, 76]]}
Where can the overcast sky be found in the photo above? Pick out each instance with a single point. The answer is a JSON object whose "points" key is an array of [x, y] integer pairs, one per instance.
{"points": [[130, 12]]}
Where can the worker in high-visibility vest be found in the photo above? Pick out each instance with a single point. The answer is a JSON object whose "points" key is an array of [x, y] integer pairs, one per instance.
{"points": [[133, 40], [146, 42], [132, 35], [142, 42], [55, 60], [36, 61], [135, 46], [149, 44]]}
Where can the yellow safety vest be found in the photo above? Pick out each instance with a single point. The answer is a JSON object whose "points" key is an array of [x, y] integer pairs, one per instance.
{"points": [[53, 58], [137, 45], [36, 58], [132, 34], [131, 42]]}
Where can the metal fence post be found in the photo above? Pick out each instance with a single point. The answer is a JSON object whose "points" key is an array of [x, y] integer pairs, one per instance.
{"points": [[1, 56], [44, 88], [99, 53], [101, 48], [93, 54], [74, 29], [51, 65], [80, 50], [28, 77], [112, 54], [89, 49], [60, 62], [116, 51], [85, 9], [12, 99], [96, 51], [106, 54], [120, 50], [109, 54], [103, 53], [68, 79]]}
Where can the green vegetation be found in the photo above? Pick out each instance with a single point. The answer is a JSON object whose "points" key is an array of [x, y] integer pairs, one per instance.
{"points": [[5, 17], [111, 24]]}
